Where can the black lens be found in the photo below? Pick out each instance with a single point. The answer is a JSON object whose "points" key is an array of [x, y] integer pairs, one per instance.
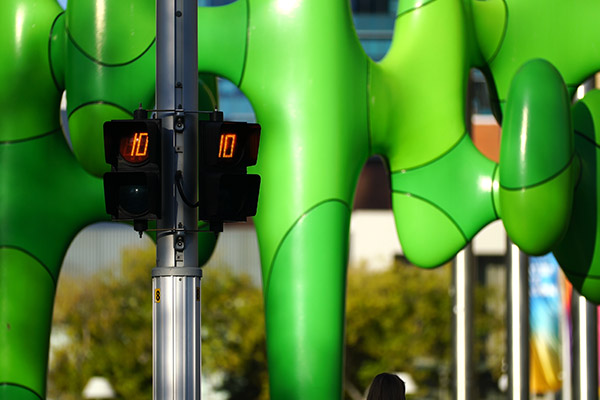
{"points": [[134, 199]]}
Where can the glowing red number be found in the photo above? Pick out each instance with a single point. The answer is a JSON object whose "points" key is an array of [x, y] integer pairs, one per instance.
{"points": [[134, 148], [138, 139], [227, 145]]}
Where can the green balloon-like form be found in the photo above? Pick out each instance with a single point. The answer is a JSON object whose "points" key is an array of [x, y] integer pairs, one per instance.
{"points": [[113, 52], [578, 253], [537, 173], [324, 107], [46, 197]]}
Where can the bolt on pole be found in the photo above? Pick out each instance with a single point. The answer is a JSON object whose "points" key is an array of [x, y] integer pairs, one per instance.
{"points": [[176, 278]]}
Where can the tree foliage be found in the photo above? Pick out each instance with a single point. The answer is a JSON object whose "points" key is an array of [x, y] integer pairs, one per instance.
{"points": [[398, 319], [106, 323], [233, 336]]}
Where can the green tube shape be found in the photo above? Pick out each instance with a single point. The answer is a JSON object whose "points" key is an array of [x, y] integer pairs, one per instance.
{"points": [[578, 253], [536, 159]]}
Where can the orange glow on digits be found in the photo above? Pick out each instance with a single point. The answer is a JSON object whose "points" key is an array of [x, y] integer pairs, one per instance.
{"points": [[138, 152], [134, 148], [227, 145]]}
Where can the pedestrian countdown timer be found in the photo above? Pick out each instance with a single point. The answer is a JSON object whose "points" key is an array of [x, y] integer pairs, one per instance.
{"points": [[227, 192], [132, 187], [134, 148]]}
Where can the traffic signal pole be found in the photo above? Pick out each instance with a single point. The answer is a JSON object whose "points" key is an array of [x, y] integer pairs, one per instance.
{"points": [[176, 278]]}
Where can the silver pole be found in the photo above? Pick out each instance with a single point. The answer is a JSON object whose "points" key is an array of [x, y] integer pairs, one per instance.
{"points": [[518, 323], [585, 348], [585, 326], [176, 278], [463, 271]]}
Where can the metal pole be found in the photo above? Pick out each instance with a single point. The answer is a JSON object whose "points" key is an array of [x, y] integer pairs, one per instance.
{"points": [[585, 348], [518, 323], [585, 326], [176, 278], [463, 270]]}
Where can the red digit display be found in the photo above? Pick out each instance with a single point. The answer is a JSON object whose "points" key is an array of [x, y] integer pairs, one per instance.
{"points": [[134, 148], [227, 145]]}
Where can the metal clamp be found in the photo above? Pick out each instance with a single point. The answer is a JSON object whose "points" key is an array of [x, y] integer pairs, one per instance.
{"points": [[179, 242]]}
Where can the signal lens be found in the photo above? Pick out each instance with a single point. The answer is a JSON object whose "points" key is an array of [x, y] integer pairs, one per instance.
{"points": [[134, 148], [134, 199]]}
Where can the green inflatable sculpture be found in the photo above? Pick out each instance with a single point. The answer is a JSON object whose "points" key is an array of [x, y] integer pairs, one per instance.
{"points": [[324, 107]]}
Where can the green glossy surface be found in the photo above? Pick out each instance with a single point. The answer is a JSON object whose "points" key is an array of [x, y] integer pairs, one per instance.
{"points": [[305, 74], [324, 108], [58, 50], [590, 286], [428, 236], [558, 31], [536, 218], [489, 19], [126, 85], [27, 84], [223, 44], [535, 148], [87, 135], [123, 87], [462, 167], [11, 392], [305, 306], [45, 190], [112, 32], [496, 192], [579, 252], [283, 87], [406, 6], [399, 101], [25, 329]]}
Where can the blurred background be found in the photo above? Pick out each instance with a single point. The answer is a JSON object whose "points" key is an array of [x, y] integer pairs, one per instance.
{"points": [[399, 317]]}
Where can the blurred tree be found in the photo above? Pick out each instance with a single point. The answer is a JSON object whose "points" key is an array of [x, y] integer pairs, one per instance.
{"points": [[233, 335], [400, 320], [105, 322], [397, 320]]}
